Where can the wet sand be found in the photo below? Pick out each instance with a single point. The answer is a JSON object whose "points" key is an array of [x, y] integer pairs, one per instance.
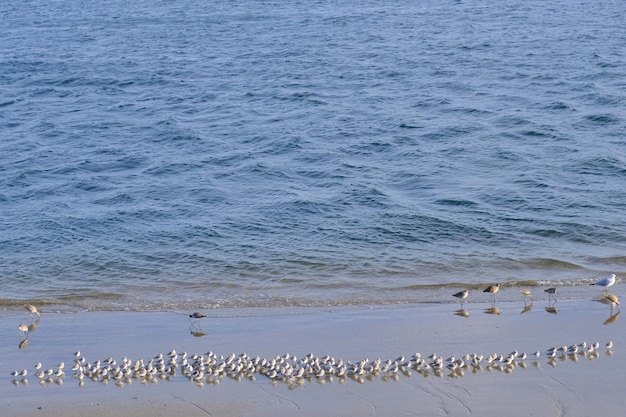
{"points": [[574, 385]]}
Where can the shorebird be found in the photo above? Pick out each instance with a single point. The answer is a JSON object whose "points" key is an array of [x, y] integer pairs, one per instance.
{"points": [[606, 282], [526, 293], [197, 315], [33, 310], [461, 295], [613, 300], [493, 289], [551, 292], [23, 330]]}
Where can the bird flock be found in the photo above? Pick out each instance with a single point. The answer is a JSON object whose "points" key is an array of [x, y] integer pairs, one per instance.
{"points": [[209, 368], [605, 282]]}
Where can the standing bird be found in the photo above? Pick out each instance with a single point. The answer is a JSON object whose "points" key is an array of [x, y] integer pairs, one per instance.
{"points": [[606, 282], [526, 293], [613, 300], [196, 316], [461, 295], [493, 289], [551, 292], [33, 310], [23, 330]]}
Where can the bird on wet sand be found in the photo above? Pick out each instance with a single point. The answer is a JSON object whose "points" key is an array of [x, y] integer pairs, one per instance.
{"points": [[526, 293], [461, 295], [605, 282], [551, 291], [33, 310], [492, 289], [196, 316], [23, 330]]}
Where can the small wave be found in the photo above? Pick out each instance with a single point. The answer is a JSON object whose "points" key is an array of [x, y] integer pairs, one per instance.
{"points": [[456, 202], [548, 263], [603, 119]]}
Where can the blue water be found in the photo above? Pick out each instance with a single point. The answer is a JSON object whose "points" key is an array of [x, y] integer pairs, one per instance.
{"points": [[164, 155]]}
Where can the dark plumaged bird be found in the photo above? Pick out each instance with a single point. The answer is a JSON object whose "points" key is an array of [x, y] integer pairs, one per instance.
{"points": [[461, 295], [551, 291]]}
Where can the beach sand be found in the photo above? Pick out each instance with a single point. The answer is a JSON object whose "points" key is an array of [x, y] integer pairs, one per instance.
{"points": [[573, 385]]}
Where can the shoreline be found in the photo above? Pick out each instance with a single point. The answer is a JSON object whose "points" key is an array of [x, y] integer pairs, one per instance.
{"points": [[573, 384], [317, 296]]}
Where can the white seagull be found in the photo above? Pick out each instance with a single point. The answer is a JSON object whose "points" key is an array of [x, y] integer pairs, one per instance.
{"points": [[606, 282]]}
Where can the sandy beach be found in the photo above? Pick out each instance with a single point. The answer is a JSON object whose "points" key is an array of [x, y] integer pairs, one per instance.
{"points": [[580, 384]]}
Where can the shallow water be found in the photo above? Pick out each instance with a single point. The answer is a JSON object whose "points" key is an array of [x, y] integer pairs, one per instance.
{"points": [[163, 156]]}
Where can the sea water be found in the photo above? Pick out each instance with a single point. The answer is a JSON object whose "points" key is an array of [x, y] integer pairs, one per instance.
{"points": [[178, 154]]}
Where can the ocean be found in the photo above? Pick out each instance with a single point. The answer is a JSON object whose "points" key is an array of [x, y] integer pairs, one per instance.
{"points": [[169, 155]]}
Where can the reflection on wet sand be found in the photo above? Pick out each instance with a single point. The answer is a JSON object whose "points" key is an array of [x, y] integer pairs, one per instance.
{"points": [[551, 309], [23, 344], [527, 308], [462, 313], [493, 310], [612, 319], [33, 326]]}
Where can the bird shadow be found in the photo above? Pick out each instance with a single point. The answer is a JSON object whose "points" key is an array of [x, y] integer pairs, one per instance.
{"points": [[33, 326]]}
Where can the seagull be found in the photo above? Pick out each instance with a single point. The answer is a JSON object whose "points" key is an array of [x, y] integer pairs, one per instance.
{"points": [[606, 282], [493, 289], [461, 295]]}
